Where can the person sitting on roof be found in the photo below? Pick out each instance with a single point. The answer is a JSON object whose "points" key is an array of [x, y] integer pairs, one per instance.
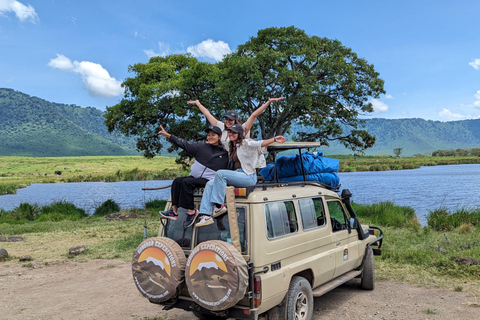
{"points": [[210, 156], [231, 118], [246, 155]]}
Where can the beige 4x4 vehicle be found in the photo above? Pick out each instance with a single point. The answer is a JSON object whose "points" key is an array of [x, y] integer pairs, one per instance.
{"points": [[280, 245]]}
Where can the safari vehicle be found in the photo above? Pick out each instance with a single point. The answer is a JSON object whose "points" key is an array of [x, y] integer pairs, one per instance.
{"points": [[280, 245]]}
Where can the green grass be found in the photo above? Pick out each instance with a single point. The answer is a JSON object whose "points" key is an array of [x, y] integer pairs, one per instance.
{"points": [[410, 253], [19, 172]]}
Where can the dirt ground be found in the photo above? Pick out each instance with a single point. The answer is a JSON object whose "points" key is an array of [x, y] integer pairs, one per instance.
{"points": [[104, 289]]}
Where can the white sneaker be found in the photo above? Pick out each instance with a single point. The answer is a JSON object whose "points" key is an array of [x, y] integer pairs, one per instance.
{"points": [[204, 221], [219, 211]]}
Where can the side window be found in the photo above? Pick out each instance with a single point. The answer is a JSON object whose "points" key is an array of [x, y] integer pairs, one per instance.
{"points": [[311, 213], [337, 215], [281, 219]]}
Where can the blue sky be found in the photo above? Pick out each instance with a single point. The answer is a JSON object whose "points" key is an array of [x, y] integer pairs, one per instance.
{"points": [[78, 52]]}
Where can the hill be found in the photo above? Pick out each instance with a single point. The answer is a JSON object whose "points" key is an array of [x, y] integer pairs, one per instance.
{"points": [[30, 126], [417, 136]]}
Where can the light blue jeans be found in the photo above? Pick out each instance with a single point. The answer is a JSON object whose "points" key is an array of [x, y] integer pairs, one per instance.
{"points": [[214, 191]]}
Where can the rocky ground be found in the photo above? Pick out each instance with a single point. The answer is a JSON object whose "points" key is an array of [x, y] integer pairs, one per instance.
{"points": [[104, 289]]}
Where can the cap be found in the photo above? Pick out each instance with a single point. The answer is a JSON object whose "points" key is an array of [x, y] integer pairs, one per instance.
{"points": [[236, 128], [215, 129], [231, 114]]}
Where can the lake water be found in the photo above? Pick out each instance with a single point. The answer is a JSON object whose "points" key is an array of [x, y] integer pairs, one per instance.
{"points": [[424, 189]]}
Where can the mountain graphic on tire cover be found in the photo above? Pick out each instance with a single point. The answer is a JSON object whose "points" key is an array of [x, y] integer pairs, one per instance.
{"points": [[216, 275]]}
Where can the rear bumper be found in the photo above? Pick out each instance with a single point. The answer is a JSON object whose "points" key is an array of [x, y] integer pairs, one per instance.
{"points": [[187, 304]]}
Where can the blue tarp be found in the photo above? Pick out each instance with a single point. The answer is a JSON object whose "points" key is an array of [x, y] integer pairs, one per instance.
{"points": [[317, 168]]}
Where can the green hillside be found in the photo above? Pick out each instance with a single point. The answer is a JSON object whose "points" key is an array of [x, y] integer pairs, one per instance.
{"points": [[417, 136], [30, 126]]}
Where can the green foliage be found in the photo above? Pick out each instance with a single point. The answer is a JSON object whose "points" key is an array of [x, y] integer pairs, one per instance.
{"points": [[323, 82], [30, 126], [107, 207], [26, 211], [61, 210], [386, 214], [443, 220], [156, 204]]}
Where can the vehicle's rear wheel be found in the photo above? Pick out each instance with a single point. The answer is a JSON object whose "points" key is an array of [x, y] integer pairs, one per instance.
{"points": [[368, 274], [299, 300]]}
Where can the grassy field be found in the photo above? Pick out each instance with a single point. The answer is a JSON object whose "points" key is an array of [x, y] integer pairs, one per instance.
{"points": [[385, 163], [413, 254], [18, 172]]}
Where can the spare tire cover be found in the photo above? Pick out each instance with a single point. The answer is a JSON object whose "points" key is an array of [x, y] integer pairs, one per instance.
{"points": [[216, 275], [158, 268]]}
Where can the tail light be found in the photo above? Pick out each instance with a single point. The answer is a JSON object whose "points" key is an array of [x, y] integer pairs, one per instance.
{"points": [[257, 291], [240, 192]]}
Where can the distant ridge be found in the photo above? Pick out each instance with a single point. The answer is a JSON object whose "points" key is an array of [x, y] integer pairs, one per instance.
{"points": [[417, 136], [30, 126]]}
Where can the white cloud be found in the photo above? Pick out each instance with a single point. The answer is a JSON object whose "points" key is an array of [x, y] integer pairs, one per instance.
{"points": [[379, 106], [97, 81], [445, 113], [164, 50], [388, 96], [476, 104], [23, 12], [210, 49], [475, 64]]}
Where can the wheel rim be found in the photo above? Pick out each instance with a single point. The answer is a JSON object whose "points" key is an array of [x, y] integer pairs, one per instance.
{"points": [[301, 306]]}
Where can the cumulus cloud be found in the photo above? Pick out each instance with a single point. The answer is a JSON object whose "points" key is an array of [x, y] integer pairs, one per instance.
{"points": [[447, 114], [210, 49], [379, 106], [475, 64], [97, 81], [388, 96], [21, 11]]}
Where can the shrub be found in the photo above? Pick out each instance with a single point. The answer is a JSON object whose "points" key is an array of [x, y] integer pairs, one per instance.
{"points": [[442, 220], [107, 207], [155, 204], [61, 210], [387, 214], [26, 211]]}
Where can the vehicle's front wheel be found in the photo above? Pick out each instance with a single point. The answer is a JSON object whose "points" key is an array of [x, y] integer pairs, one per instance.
{"points": [[299, 300], [368, 274]]}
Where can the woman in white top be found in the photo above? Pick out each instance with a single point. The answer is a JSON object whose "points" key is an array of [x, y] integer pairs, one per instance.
{"points": [[231, 118], [247, 155]]}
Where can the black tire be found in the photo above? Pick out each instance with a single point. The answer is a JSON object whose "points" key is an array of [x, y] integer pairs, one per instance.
{"points": [[299, 300], [202, 316], [368, 273]]}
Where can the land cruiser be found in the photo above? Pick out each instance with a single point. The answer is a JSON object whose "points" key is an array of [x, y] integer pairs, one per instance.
{"points": [[280, 245]]}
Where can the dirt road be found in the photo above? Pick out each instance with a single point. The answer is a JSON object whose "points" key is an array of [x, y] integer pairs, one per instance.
{"points": [[104, 289]]}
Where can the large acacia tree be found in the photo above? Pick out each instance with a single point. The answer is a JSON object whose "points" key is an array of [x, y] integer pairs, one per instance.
{"points": [[326, 87]]}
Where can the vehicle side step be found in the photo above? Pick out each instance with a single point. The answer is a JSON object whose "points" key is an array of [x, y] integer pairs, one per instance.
{"points": [[324, 288]]}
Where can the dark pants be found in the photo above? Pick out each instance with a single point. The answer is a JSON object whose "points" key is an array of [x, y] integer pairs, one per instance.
{"points": [[182, 191]]}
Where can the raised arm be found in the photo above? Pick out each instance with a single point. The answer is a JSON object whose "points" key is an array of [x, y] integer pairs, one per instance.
{"points": [[279, 139], [210, 118], [249, 123], [164, 133]]}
